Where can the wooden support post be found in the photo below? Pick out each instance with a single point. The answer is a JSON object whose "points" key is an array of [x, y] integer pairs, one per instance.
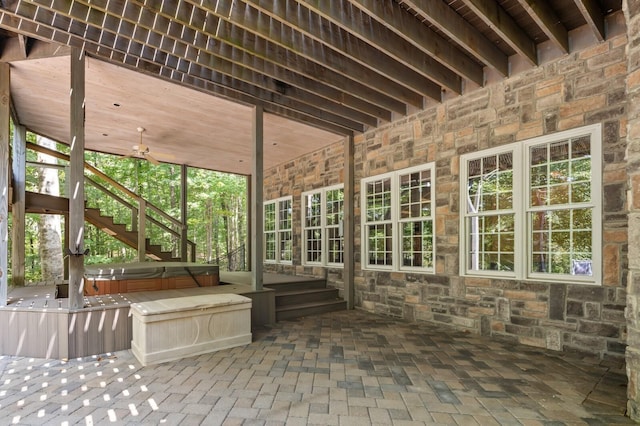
{"points": [[76, 181], [348, 225], [257, 191], [5, 111], [249, 242], [18, 207], [183, 214], [142, 230]]}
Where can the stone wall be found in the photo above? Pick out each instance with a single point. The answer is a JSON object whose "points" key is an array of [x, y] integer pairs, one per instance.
{"points": [[584, 87], [632, 12]]}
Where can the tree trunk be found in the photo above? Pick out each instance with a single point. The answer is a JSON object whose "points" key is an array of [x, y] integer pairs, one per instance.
{"points": [[49, 228]]}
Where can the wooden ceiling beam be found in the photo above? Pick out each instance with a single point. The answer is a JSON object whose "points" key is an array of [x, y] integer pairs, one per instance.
{"points": [[363, 39], [12, 49], [225, 66], [548, 21], [271, 40], [309, 76], [440, 15], [175, 75], [295, 70], [505, 27], [590, 10]]}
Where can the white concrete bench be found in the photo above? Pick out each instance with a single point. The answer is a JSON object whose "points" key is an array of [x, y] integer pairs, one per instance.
{"points": [[170, 329]]}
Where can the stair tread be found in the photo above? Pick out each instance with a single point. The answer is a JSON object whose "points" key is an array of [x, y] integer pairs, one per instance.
{"points": [[310, 305], [305, 291]]}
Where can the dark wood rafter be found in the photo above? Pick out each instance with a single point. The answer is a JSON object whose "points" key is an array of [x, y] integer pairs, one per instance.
{"points": [[494, 16], [342, 66], [406, 39], [177, 70], [311, 58], [548, 22], [591, 12], [207, 51], [356, 35], [464, 34], [333, 112]]}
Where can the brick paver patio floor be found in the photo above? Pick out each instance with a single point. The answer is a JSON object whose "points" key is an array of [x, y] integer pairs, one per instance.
{"points": [[344, 368]]}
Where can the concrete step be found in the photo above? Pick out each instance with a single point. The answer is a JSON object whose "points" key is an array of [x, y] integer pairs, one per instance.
{"points": [[308, 309], [298, 297]]}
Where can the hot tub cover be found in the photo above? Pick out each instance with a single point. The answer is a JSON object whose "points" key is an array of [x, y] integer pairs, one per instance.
{"points": [[142, 270]]}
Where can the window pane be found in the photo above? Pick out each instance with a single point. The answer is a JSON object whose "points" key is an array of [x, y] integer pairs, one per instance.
{"points": [[313, 209], [285, 214], [270, 217], [415, 195], [559, 238], [562, 175], [379, 200], [335, 245], [492, 189], [491, 242], [313, 239], [417, 244], [335, 207], [380, 244], [286, 245], [270, 246]]}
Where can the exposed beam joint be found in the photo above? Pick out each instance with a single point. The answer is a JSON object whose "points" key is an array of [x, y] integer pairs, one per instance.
{"points": [[442, 16], [241, 28], [549, 23], [175, 75], [590, 9], [507, 29], [359, 37], [404, 28]]}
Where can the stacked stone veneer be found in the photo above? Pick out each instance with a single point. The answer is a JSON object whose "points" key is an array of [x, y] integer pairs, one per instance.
{"points": [[632, 13], [584, 87]]}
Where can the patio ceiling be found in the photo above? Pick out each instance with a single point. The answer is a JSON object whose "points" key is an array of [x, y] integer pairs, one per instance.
{"points": [[320, 69]]}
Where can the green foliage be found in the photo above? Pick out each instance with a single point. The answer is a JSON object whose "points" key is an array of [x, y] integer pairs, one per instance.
{"points": [[216, 209]]}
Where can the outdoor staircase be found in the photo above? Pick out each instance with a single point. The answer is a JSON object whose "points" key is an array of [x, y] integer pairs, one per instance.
{"points": [[305, 297], [121, 233], [43, 203], [142, 213]]}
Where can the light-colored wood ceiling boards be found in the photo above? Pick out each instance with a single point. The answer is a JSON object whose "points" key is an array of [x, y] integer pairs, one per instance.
{"points": [[325, 68]]}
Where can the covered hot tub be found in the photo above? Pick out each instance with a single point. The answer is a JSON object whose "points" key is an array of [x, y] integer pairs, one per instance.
{"points": [[116, 278]]}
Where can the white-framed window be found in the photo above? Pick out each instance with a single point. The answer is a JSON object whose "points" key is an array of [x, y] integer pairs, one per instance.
{"points": [[398, 211], [532, 209], [278, 230], [322, 226]]}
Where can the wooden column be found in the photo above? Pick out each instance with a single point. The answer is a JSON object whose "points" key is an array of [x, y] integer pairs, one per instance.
{"points": [[183, 214], [348, 227], [76, 182], [248, 242], [257, 191], [632, 314], [142, 230], [5, 111], [18, 208]]}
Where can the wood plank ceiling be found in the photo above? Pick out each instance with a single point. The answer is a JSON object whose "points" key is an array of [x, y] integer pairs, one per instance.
{"points": [[342, 66]]}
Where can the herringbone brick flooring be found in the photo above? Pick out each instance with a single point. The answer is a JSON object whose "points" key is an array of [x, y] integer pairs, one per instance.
{"points": [[343, 368]]}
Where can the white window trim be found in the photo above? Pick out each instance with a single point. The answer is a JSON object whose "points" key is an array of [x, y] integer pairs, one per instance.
{"points": [[521, 172], [396, 240], [277, 231], [323, 227]]}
